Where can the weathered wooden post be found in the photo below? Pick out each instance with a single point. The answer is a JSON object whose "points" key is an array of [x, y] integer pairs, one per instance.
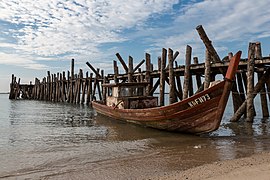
{"points": [[208, 44], [130, 69], [198, 77], [172, 92], [48, 96], [258, 55], [79, 86], [207, 71], [179, 85], [147, 72], [162, 77], [84, 82], [72, 83], [104, 90], [64, 88], [57, 87], [11, 90], [98, 85], [89, 90], [60, 88], [250, 83], [68, 86], [116, 72], [187, 72]]}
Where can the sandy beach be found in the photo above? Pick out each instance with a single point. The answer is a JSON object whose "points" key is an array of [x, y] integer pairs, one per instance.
{"points": [[256, 166]]}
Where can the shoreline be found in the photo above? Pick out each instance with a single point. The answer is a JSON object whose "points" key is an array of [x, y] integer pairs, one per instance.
{"points": [[256, 166]]}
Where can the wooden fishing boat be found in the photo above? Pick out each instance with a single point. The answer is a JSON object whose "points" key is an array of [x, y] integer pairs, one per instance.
{"points": [[200, 113]]}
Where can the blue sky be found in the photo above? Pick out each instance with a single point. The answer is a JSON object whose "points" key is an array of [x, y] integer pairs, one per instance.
{"points": [[42, 35]]}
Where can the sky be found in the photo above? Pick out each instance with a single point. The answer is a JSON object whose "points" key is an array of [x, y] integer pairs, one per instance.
{"points": [[44, 35]]}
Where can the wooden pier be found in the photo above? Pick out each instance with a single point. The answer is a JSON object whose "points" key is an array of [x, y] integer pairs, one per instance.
{"points": [[182, 81]]}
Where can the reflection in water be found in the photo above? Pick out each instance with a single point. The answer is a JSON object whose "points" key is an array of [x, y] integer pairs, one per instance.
{"points": [[65, 141]]}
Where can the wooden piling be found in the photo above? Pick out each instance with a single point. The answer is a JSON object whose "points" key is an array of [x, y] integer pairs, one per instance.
{"points": [[250, 83], [116, 72], [258, 55], [179, 85], [147, 72], [130, 69], [11, 90], [208, 44], [207, 72], [89, 90], [162, 77], [172, 97], [187, 72], [198, 77]]}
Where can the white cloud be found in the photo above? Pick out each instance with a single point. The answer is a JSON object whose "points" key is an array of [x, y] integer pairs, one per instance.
{"points": [[223, 20], [54, 27]]}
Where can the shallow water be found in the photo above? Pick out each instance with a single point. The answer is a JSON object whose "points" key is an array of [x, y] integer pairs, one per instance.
{"points": [[43, 140]]}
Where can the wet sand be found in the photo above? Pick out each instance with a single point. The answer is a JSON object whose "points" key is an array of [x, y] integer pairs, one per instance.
{"points": [[256, 166]]}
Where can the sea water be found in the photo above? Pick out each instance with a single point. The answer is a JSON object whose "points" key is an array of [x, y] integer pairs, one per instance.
{"points": [[45, 140]]}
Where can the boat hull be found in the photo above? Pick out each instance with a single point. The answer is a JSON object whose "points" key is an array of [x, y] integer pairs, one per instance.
{"points": [[197, 114]]}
